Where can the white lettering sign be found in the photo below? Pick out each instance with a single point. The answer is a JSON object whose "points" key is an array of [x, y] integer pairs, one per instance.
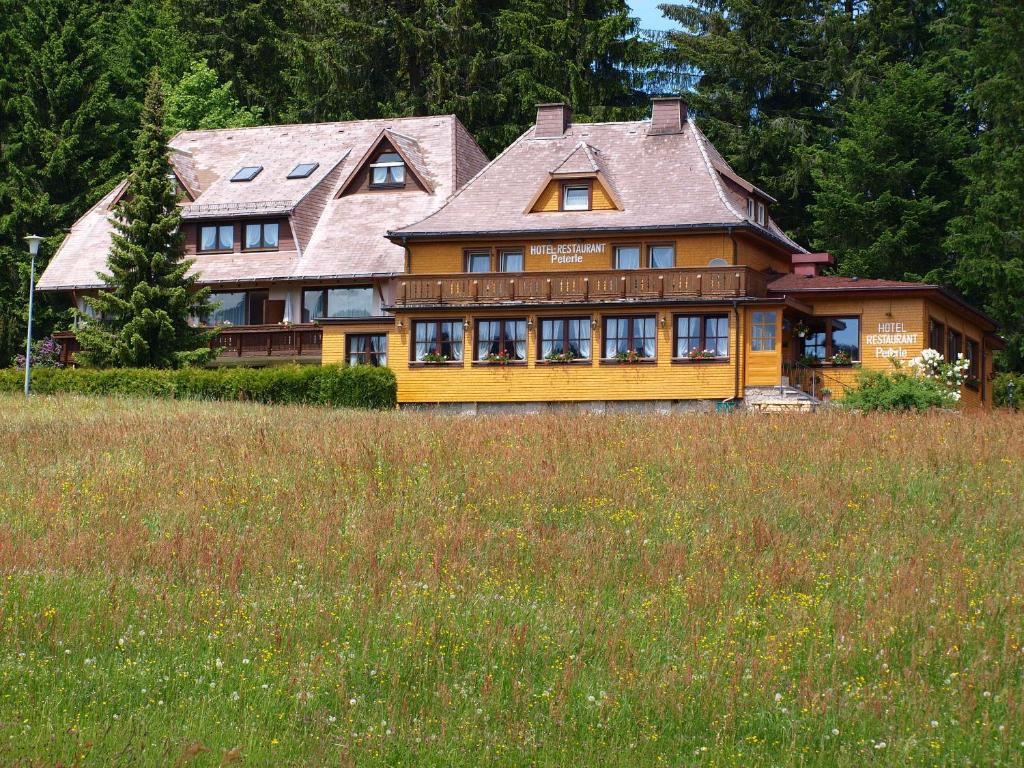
{"points": [[891, 339], [567, 253]]}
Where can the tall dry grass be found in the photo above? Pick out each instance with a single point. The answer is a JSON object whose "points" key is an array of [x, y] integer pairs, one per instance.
{"points": [[211, 583]]}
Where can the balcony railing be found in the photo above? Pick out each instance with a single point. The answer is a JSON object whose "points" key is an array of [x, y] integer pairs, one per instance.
{"points": [[570, 287], [269, 340]]}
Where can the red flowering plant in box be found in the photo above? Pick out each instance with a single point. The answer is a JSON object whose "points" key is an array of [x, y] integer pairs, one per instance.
{"points": [[702, 354]]}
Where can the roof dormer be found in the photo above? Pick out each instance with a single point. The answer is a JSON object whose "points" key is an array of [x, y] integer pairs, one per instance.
{"points": [[577, 182], [393, 162]]}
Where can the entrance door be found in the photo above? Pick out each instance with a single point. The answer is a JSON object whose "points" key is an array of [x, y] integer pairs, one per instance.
{"points": [[256, 308]]}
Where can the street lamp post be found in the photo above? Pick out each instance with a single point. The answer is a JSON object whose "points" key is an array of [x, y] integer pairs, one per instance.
{"points": [[33, 248]]}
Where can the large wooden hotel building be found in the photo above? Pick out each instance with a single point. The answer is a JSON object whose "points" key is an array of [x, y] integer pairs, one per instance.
{"points": [[601, 265]]}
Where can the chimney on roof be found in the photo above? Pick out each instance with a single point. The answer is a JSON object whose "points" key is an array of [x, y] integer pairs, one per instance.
{"points": [[668, 115], [810, 264], [552, 120]]}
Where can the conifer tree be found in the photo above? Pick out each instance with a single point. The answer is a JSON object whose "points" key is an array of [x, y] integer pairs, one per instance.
{"points": [[62, 143], [144, 311]]}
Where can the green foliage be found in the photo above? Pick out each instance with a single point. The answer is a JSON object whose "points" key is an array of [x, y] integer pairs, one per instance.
{"points": [[331, 385], [198, 101], [881, 203], [1000, 390], [144, 313], [986, 239], [63, 144], [895, 391]]}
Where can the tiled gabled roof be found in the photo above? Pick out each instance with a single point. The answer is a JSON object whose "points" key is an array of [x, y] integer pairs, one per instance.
{"points": [[662, 181], [336, 236]]}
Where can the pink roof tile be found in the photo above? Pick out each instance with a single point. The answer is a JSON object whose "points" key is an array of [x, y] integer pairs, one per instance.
{"points": [[336, 236], [661, 180]]}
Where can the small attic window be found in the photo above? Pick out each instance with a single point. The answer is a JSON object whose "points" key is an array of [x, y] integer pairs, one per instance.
{"points": [[756, 211], [388, 170], [248, 173], [303, 170], [576, 197]]}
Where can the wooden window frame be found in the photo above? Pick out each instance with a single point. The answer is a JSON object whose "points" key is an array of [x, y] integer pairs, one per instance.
{"points": [[436, 321], [501, 253], [217, 225], [830, 351], [588, 183], [564, 320], [261, 224], [951, 334], [639, 245], [365, 337], [630, 338], [974, 362], [703, 317], [776, 341], [761, 211], [468, 252], [501, 340], [933, 327], [648, 247]]}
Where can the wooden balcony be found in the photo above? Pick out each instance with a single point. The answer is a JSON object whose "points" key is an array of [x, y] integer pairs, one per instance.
{"points": [[580, 287], [253, 341]]}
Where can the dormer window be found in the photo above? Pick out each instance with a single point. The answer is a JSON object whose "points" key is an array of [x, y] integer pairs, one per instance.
{"points": [[576, 197], [756, 211], [387, 171], [261, 236], [303, 170], [248, 173], [217, 237]]}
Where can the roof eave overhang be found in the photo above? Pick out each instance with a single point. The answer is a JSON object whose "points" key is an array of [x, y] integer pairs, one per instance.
{"points": [[945, 295], [400, 237]]}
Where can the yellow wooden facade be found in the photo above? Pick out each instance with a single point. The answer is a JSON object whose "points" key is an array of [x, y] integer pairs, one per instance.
{"points": [[892, 326]]}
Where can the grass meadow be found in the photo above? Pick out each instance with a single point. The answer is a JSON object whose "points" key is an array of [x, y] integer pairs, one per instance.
{"points": [[211, 584]]}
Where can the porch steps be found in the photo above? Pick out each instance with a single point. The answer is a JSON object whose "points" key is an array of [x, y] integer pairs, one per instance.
{"points": [[781, 399]]}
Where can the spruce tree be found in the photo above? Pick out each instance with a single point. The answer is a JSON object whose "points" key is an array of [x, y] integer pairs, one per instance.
{"points": [[986, 241], [887, 187], [144, 311]]}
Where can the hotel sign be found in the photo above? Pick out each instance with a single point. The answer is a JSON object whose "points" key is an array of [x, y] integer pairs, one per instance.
{"points": [[892, 341], [568, 253]]}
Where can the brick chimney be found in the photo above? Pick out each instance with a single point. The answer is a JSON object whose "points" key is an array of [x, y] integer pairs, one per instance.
{"points": [[810, 264], [668, 115], [552, 120]]}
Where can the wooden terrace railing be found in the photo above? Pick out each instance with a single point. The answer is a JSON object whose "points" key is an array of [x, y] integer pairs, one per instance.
{"points": [[581, 287], [269, 340]]}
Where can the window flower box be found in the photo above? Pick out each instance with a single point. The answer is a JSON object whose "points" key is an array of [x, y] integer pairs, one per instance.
{"points": [[630, 357], [561, 357], [842, 360], [432, 358], [697, 355]]}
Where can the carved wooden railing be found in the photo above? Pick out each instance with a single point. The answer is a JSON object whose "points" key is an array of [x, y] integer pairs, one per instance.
{"points": [[269, 340], [569, 287]]}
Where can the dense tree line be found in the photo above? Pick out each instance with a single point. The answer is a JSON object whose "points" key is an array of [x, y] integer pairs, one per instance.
{"points": [[891, 131]]}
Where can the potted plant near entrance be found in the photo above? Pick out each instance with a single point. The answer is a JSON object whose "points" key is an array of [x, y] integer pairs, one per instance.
{"points": [[800, 330]]}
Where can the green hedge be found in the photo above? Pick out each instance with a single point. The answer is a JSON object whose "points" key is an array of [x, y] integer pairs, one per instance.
{"points": [[356, 387], [894, 391]]}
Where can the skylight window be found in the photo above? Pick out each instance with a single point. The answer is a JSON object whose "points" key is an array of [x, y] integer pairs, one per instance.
{"points": [[248, 173], [303, 170]]}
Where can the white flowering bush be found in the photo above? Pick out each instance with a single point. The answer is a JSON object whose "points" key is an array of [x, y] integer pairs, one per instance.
{"points": [[930, 364]]}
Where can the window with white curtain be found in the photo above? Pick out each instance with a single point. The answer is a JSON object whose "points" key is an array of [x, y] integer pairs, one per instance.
{"points": [[627, 257], [634, 335], [217, 237], [565, 338], [388, 170], [501, 338], [442, 338], [367, 348]]}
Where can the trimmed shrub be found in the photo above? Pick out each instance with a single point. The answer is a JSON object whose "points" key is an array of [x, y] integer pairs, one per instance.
{"points": [[896, 391], [361, 386], [1000, 388]]}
